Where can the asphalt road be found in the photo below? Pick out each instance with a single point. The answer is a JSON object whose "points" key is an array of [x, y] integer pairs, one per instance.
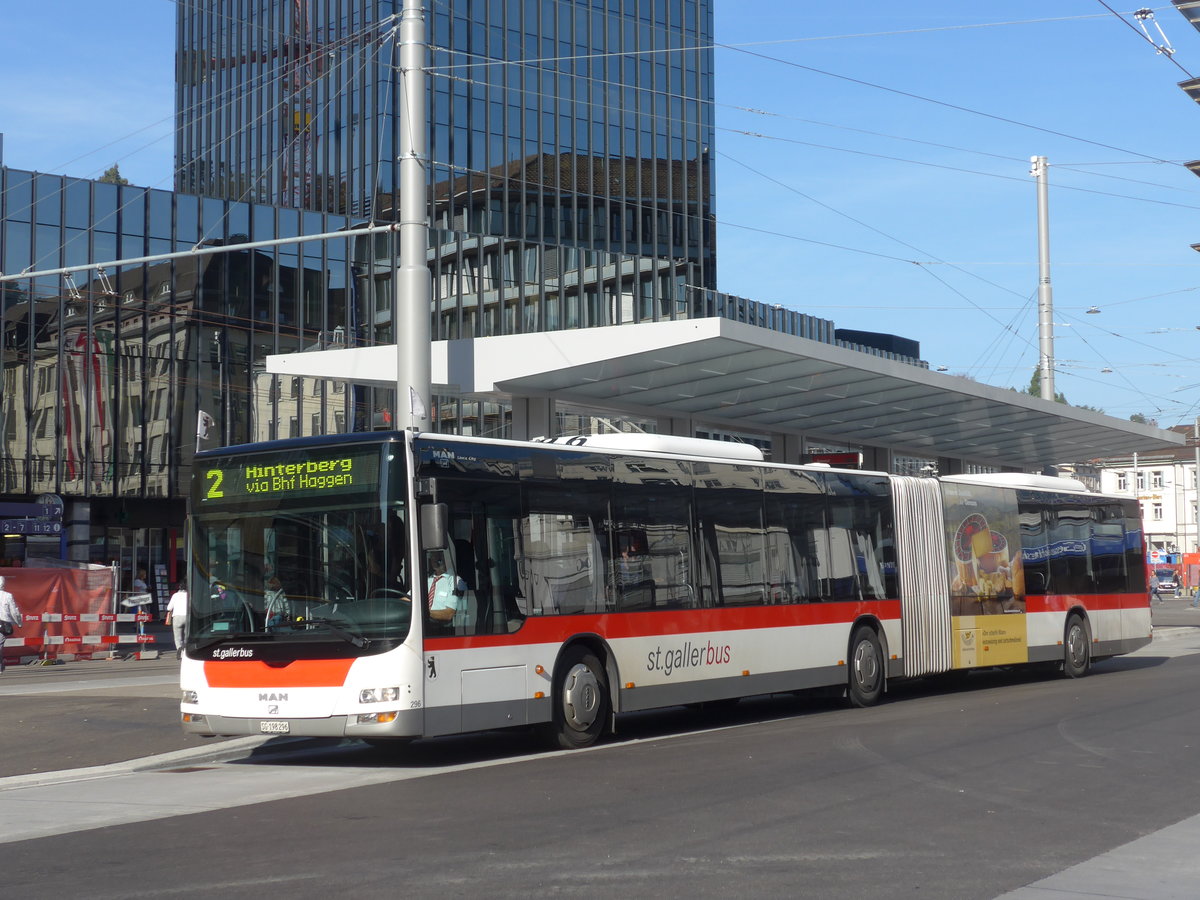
{"points": [[965, 793]]}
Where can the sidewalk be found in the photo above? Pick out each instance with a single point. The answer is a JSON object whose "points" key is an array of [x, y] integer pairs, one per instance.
{"points": [[1169, 611], [95, 711]]}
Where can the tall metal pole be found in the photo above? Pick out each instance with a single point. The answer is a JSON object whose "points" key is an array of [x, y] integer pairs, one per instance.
{"points": [[1045, 294], [1196, 479], [413, 376], [1137, 495]]}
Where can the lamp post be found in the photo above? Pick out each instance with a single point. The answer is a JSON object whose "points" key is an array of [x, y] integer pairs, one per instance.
{"points": [[413, 286], [1045, 293], [1196, 481]]}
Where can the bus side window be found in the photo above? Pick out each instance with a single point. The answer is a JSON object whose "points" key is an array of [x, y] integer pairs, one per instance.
{"points": [[463, 554], [561, 571], [1108, 549], [483, 550], [1068, 534], [797, 547], [1034, 550], [652, 543], [729, 511]]}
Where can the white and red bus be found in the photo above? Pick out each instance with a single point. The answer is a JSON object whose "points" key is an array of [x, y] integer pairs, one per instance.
{"points": [[395, 586]]}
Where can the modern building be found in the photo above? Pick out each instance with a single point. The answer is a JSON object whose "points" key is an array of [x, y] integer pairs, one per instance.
{"points": [[572, 253], [579, 133]]}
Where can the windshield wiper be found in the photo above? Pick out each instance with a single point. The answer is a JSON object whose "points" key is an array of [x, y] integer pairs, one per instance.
{"points": [[348, 636]]}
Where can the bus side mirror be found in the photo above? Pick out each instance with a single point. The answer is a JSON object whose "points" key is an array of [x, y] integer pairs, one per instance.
{"points": [[434, 517]]}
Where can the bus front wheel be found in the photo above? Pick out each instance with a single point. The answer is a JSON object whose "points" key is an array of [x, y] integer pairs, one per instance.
{"points": [[866, 678], [1077, 647], [580, 700]]}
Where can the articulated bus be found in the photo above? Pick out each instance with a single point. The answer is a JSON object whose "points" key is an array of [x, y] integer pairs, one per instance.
{"points": [[389, 586]]}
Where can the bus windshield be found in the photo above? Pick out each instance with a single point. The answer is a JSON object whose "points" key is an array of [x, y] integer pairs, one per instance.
{"points": [[299, 546]]}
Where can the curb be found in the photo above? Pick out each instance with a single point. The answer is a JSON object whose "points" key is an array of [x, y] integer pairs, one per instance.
{"points": [[1170, 631], [222, 752]]}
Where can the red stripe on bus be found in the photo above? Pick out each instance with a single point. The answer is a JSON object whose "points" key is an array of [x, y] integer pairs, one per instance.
{"points": [[1063, 602], [245, 673], [554, 629]]}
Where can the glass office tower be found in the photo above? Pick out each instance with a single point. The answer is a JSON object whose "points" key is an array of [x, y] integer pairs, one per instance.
{"points": [[570, 143]]}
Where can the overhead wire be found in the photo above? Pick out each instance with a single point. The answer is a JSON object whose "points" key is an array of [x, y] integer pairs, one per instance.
{"points": [[943, 103], [925, 266]]}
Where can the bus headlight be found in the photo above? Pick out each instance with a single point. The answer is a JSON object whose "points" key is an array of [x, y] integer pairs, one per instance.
{"points": [[379, 695], [189, 697]]}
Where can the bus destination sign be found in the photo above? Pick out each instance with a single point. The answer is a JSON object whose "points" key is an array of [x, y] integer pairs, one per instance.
{"points": [[292, 476]]}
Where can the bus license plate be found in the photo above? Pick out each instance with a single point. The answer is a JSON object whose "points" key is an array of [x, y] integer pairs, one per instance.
{"points": [[274, 727]]}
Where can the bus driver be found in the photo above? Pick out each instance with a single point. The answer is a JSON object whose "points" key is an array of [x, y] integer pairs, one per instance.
{"points": [[445, 592]]}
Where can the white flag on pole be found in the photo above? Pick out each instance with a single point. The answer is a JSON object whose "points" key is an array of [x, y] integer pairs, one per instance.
{"points": [[416, 405], [203, 422]]}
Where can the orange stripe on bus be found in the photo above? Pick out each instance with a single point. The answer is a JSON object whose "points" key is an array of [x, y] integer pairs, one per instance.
{"points": [[244, 673]]}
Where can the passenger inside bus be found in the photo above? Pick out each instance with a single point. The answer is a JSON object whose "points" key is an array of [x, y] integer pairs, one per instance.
{"points": [[633, 574], [277, 608]]}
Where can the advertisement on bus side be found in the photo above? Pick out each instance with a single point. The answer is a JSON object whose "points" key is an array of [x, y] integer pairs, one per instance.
{"points": [[987, 580]]}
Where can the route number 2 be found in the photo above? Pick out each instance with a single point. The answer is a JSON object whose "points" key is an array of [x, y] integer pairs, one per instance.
{"points": [[215, 477]]}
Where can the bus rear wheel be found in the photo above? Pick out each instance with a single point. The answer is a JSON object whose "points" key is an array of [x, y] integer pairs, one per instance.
{"points": [[866, 677], [580, 700], [1077, 647]]}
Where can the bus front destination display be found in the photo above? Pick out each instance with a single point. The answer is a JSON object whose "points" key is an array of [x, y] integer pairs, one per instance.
{"points": [[292, 477]]}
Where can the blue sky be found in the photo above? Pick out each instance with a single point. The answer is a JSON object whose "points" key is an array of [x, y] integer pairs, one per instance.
{"points": [[880, 181]]}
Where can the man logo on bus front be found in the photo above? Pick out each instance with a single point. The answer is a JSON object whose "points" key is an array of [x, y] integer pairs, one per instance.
{"points": [[431, 663]]}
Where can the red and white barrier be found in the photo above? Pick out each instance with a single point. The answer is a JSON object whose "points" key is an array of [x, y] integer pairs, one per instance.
{"points": [[81, 642]]}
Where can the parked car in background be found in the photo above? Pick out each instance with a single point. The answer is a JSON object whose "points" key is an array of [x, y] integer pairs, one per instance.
{"points": [[1167, 580]]}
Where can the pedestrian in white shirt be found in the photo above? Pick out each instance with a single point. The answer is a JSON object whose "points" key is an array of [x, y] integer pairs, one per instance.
{"points": [[177, 617], [10, 618]]}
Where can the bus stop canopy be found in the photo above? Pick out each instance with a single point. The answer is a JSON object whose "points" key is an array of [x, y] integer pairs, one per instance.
{"points": [[741, 377]]}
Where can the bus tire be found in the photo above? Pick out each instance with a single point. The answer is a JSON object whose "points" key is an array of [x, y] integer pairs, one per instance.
{"points": [[580, 700], [866, 676], [1077, 647]]}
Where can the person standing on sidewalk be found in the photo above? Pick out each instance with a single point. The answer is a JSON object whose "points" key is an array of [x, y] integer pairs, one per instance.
{"points": [[10, 618], [177, 617]]}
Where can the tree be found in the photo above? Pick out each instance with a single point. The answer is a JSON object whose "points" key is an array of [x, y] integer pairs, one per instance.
{"points": [[1035, 387], [112, 175], [1143, 419]]}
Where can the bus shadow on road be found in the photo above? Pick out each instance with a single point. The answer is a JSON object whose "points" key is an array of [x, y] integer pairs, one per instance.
{"points": [[670, 722], [530, 742]]}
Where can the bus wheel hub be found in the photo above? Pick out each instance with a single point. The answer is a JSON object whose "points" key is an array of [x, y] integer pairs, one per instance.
{"points": [[581, 697]]}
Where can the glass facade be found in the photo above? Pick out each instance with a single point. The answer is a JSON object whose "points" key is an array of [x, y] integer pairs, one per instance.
{"points": [[571, 177], [106, 371]]}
